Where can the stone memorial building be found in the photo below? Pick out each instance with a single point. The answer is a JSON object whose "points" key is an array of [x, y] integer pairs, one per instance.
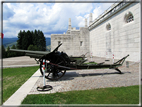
{"points": [[115, 32], [75, 42]]}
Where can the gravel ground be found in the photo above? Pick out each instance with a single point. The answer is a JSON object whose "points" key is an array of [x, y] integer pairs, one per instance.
{"points": [[83, 79], [92, 79]]}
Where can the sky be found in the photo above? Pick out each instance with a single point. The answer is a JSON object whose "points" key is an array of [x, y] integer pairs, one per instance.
{"points": [[50, 18]]}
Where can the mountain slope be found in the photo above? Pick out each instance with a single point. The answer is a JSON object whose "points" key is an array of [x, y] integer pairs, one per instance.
{"points": [[13, 41]]}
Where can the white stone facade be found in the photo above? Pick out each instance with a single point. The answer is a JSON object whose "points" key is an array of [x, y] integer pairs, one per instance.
{"points": [[75, 42], [111, 34]]}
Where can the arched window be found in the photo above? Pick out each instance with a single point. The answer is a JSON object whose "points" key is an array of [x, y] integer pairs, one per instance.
{"points": [[128, 17], [108, 26]]}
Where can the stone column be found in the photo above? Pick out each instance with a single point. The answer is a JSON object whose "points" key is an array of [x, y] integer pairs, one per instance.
{"points": [[90, 19], [85, 22], [69, 26]]}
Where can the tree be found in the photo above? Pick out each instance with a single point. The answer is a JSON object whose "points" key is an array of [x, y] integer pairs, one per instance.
{"points": [[26, 40], [33, 48], [42, 41], [34, 36], [8, 52], [20, 38], [31, 40], [39, 40], [35, 39], [4, 54], [13, 54], [13, 47]]}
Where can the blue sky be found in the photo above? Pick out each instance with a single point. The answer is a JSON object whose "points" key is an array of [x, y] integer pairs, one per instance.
{"points": [[50, 18]]}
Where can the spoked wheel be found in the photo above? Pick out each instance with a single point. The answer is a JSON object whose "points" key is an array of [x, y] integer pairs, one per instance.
{"points": [[52, 71]]}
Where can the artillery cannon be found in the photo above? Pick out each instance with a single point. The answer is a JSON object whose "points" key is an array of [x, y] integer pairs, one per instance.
{"points": [[57, 62]]}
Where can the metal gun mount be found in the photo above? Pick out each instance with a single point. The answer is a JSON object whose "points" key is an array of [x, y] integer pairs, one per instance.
{"points": [[58, 62]]}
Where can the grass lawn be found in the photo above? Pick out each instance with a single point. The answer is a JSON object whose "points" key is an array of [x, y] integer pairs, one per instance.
{"points": [[116, 95], [91, 63], [13, 78]]}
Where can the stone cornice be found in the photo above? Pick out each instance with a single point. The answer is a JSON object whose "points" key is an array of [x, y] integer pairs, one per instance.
{"points": [[110, 12]]}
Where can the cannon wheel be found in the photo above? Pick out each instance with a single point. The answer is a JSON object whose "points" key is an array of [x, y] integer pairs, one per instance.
{"points": [[52, 72]]}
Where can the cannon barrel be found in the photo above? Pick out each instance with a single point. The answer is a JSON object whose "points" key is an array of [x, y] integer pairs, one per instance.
{"points": [[28, 51], [34, 55]]}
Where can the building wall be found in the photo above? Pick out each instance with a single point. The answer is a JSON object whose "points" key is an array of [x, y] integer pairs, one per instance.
{"points": [[122, 39], [75, 42], [66, 39]]}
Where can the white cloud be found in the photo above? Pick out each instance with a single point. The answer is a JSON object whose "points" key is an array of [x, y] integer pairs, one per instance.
{"points": [[100, 8], [96, 12], [81, 21], [47, 17]]}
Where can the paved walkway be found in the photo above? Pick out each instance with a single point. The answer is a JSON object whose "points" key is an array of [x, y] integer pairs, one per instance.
{"points": [[90, 79], [23, 61], [80, 80]]}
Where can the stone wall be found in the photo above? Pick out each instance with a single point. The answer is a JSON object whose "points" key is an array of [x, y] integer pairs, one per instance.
{"points": [[75, 42], [111, 34]]}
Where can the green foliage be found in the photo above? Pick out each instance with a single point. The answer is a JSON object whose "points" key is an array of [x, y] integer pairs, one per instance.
{"points": [[114, 95], [27, 41], [8, 48], [20, 38], [13, 47], [8, 52], [13, 78], [11, 54], [4, 54], [33, 48], [31, 40]]}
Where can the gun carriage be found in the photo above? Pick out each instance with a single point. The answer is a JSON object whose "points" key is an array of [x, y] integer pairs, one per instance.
{"points": [[57, 62]]}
